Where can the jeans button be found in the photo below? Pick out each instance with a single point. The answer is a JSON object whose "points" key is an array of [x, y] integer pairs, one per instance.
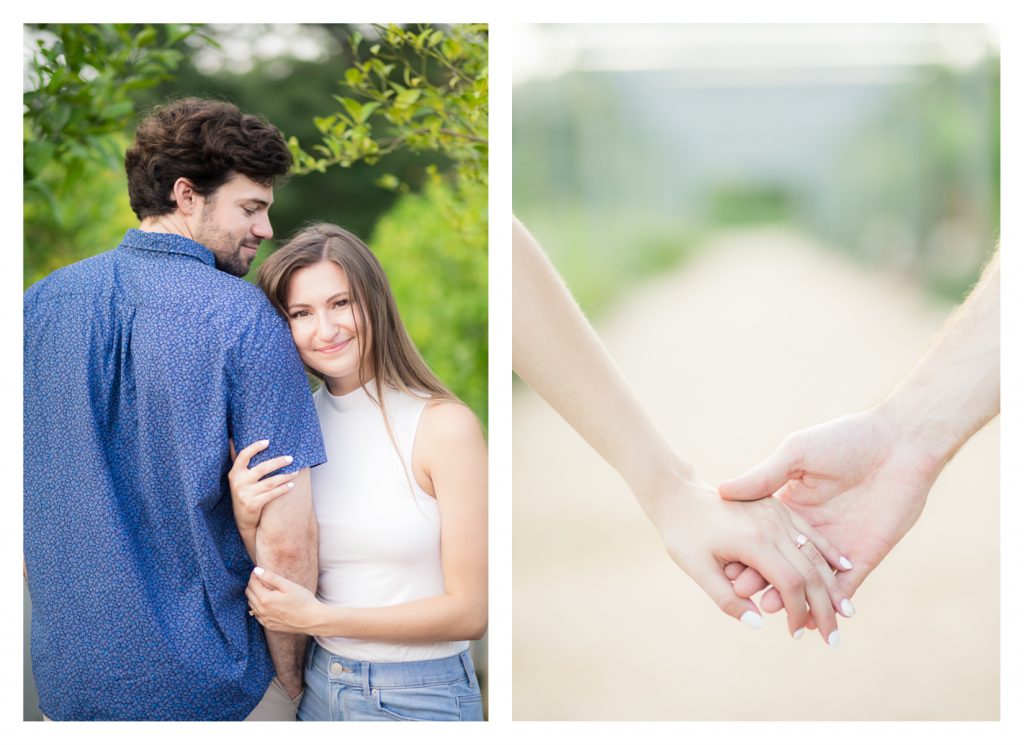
{"points": [[336, 668]]}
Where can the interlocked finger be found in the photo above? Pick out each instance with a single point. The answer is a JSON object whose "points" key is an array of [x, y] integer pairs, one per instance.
{"points": [[808, 561]]}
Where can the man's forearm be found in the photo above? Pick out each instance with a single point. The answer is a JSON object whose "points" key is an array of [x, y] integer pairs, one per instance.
{"points": [[954, 389], [286, 543]]}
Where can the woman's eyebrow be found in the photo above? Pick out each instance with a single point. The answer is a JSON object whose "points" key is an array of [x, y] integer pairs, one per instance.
{"points": [[335, 296]]}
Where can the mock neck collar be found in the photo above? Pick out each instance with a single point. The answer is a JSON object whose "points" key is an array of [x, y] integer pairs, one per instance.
{"points": [[355, 400]]}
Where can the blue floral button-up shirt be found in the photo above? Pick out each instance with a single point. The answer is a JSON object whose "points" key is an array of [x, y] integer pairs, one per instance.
{"points": [[140, 364]]}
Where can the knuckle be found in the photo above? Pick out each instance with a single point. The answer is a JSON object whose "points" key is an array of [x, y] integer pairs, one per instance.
{"points": [[791, 447], [817, 558], [814, 555], [811, 578], [724, 603], [819, 546]]}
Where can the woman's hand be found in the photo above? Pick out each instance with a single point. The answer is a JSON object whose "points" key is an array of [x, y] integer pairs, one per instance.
{"points": [[703, 539], [250, 491], [282, 605]]}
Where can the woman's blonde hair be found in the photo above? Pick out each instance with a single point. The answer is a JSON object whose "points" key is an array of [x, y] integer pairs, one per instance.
{"points": [[390, 356]]}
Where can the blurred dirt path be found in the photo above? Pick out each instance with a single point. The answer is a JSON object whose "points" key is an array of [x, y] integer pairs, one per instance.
{"points": [[761, 334]]}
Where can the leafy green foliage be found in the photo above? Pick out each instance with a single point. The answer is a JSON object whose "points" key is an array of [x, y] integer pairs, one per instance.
{"points": [[83, 79], [430, 247], [920, 181], [87, 215], [422, 89]]}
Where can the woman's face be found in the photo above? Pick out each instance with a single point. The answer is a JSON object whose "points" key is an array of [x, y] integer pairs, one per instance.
{"points": [[326, 325]]}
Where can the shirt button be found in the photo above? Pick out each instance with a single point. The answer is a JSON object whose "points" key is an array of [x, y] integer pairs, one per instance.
{"points": [[336, 668]]}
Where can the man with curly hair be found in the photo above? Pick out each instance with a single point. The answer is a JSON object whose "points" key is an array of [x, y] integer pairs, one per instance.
{"points": [[142, 365]]}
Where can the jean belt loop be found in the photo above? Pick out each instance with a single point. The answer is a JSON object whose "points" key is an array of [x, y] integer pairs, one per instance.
{"points": [[464, 658], [366, 678]]}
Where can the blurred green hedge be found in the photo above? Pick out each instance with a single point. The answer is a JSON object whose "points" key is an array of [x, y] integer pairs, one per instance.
{"points": [[433, 246]]}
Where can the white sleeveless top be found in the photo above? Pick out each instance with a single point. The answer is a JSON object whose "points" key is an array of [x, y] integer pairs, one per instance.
{"points": [[380, 533]]}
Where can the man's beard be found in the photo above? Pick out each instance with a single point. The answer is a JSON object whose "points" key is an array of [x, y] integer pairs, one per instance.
{"points": [[227, 251]]}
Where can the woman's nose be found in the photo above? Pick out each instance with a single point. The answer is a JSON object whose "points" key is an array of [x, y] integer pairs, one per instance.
{"points": [[326, 327]]}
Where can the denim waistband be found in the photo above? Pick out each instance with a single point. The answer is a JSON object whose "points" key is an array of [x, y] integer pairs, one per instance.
{"points": [[391, 674]]}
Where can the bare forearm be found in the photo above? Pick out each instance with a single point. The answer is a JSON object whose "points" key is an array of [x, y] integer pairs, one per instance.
{"points": [[286, 536], [288, 650], [556, 351], [296, 559], [249, 541], [286, 543], [437, 618], [954, 389]]}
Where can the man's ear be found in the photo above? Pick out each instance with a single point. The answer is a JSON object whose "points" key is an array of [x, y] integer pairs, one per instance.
{"points": [[186, 197]]}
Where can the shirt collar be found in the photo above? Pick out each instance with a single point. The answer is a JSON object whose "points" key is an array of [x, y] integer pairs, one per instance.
{"points": [[167, 243]]}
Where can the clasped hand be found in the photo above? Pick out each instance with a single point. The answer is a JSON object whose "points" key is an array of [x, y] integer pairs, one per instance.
{"points": [[705, 534], [861, 481]]}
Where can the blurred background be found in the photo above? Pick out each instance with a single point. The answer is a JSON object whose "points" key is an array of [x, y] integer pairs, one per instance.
{"points": [[767, 224], [388, 125]]}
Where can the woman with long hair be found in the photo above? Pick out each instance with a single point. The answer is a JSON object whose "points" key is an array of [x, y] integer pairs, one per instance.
{"points": [[401, 503]]}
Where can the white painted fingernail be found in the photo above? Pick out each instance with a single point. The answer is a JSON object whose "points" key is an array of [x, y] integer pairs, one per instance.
{"points": [[291, 485], [752, 620], [288, 458], [845, 563], [847, 607], [258, 571], [798, 633], [833, 638]]}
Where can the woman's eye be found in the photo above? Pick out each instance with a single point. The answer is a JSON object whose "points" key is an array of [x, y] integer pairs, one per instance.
{"points": [[248, 212], [300, 314], [341, 304]]}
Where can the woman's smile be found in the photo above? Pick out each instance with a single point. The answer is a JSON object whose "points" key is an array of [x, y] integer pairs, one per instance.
{"points": [[335, 347]]}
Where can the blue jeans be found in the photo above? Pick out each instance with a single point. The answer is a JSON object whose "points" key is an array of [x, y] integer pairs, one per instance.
{"points": [[339, 689]]}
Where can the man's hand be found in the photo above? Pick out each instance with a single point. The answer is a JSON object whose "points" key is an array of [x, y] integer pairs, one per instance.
{"points": [[859, 480], [863, 480]]}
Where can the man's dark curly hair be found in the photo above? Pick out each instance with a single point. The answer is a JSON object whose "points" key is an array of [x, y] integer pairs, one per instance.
{"points": [[204, 141]]}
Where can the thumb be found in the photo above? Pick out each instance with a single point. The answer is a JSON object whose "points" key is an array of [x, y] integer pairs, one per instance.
{"points": [[268, 578], [713, 581], [760, 481]]}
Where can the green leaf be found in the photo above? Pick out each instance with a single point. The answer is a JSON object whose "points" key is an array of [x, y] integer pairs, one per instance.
{"points": [[351, 106], [37, 154], [146, 37], [366, 110], [408, 96], [388, 181], [324, 123], [119, 110]]}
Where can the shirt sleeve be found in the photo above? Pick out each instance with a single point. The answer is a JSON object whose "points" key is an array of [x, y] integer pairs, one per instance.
{"points": [[269, 396]]}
